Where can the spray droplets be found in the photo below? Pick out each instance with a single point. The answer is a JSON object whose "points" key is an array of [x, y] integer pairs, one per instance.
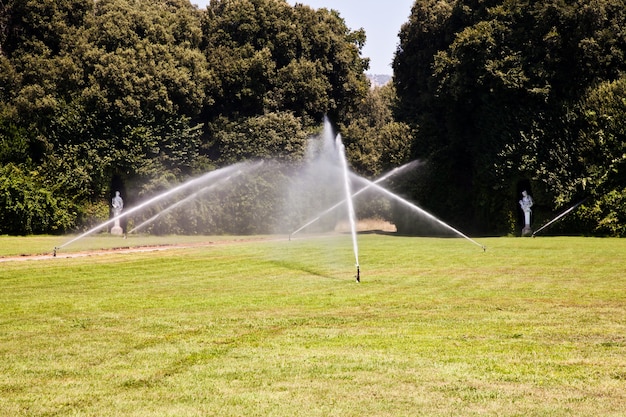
{"points": [[322, 180]]}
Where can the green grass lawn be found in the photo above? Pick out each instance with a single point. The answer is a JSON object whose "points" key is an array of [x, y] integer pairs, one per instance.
{"points": [[437, 327]]}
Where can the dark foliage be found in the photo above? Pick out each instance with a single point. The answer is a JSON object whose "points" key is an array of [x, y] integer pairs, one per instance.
{"points": [[499, 93]]}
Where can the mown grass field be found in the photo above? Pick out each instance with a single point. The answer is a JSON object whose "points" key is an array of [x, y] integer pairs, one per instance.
{"points": [[437, 327]]}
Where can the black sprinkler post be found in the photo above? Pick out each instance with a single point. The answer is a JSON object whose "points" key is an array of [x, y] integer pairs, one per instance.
{"points": [[358, 274], [54, 252]]}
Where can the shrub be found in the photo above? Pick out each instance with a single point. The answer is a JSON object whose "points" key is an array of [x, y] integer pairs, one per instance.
{"points": [[27, 207]]}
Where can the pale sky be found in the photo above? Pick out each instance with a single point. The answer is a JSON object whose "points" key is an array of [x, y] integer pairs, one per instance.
{"points": [[381, 21]]}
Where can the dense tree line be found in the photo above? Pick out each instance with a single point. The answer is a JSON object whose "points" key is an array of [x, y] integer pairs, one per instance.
{"points": [[507, 95], [491, 96], [109, 94]]}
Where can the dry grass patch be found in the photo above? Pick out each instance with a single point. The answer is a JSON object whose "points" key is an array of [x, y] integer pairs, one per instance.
{"points": [[367, 225]]}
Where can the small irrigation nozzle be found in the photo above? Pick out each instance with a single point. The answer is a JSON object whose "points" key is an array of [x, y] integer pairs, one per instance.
{"points": [[54, 252], [358, 274], [484, 248]]}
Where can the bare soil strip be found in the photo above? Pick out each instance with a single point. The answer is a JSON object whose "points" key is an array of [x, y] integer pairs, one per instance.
{"points": [[122, 250]]}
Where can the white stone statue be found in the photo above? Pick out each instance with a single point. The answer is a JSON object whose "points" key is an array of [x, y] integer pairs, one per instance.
{"points": [[118, 204], [526, 203]]}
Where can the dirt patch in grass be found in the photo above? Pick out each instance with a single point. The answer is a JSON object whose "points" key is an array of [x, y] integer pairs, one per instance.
{"points": [[367, 225], [130, 248]]}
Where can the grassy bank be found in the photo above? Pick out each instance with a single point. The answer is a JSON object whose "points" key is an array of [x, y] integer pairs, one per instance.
{"points": [[531, 327]]}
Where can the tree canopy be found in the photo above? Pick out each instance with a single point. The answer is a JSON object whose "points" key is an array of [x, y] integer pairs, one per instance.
{"points": [[506, 95], [97, 94], [491, 96]]}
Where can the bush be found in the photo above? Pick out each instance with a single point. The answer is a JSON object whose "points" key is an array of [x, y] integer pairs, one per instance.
{"points": [[27, 207], [609, 214]]}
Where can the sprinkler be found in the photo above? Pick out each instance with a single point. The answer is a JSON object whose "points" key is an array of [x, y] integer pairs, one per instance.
{"points": [[54, 252], [358, 274]]}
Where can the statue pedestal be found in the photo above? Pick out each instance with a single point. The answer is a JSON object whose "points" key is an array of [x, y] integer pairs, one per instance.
{"points": [[527, 231], [117, 229]]}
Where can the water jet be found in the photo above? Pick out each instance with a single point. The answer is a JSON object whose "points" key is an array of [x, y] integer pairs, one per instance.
{"points": [[185, 200], [416, 209], [351, 215], [560, 216], [326, 171], [173, 191], [394, 171]]}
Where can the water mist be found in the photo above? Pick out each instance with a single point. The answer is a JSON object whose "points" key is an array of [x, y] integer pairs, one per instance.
{"points": [[351, 215], [198, 181]]}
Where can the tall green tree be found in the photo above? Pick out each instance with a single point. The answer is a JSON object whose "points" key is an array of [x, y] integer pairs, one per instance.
{"points": [[146, 94], [103, 89], [374, 141], [147, 82], [271, 57], [40, 77], [492, 88], [598, 169]]}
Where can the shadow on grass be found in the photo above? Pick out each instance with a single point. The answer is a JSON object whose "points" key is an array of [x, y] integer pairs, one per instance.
{"points": [[296, 266]]}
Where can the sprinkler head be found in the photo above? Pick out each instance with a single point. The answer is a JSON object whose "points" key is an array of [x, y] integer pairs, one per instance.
{"points": [[54, 252], [358, 274]]}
